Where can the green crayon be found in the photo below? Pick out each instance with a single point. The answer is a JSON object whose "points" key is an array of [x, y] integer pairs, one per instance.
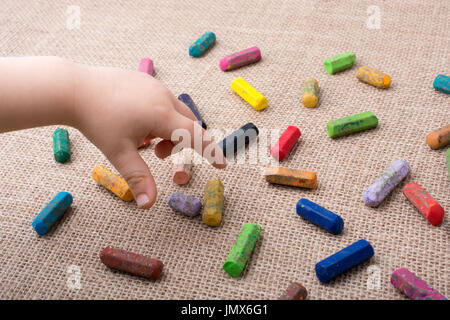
{"points": [[340, 62], [61, 148], [242, 249], [352, 124]]}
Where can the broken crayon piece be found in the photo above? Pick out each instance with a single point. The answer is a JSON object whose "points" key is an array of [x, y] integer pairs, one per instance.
{"points": [[182, 167], [202, 44], [414, 287], [352, 124], [310, 96], [213, 203], [132, 263], [52, 212], [439, 138], [373, 77], [285, 143], [385, 183], [240, 59], [320, 216], [187, 205], [291, 177], [146, 66], [340, 62], [249, 94], [426, 205], [343, 260], [295, 291], [187, 100], [242, 249], [239, 139], [442, 83], [61, 145], [112, 182]]}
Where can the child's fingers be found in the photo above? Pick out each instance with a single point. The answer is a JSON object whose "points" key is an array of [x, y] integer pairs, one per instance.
{"points": [[137, 174], [192, 135], [184, 110]]}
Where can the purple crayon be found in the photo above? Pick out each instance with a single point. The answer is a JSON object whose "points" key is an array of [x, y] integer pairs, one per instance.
{"points": [[385, 183], [240, 59], [414, 287], [185, 204]]}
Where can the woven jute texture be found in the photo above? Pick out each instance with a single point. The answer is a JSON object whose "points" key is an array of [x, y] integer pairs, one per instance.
{"points": [[412, 45]]}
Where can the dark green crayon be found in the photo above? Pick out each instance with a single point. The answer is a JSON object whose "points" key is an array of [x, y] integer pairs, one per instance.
{"points": [[352, 124], [61, 148]]}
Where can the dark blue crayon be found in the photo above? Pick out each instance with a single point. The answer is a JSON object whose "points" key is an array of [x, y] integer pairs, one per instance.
{"points": [[442, 83], [187, 100], [320, 216], [343, 260], [239, 139], [54, 210]]}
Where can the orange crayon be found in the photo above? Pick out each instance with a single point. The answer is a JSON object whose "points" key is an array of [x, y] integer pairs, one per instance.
{"points": [[291, 177]]}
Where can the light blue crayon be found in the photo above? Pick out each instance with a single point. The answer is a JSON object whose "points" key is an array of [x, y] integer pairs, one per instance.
{"points": [[442, 83], [202, 44], [54, 210]]}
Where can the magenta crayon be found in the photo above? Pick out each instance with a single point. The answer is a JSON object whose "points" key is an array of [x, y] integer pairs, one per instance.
{"points": [[146, 66], [414, 287], [240, 59]]}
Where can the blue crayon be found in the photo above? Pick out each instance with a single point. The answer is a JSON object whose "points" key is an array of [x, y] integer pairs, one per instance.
{"points": [[202, 44], [52, 212], [186, 99], [442, 83], [320, 216], [343, 260]]}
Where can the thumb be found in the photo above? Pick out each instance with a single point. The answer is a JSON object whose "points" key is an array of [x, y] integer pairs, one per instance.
{"points": [[137, 174]]}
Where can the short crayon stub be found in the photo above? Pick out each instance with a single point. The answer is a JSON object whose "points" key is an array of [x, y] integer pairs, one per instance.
{"points": [[240, 59], [295, 291], [61, 145], [291, 177], [373, 77], [352, 124], [213, 203], [442, 83], [112, 182], [249, 94], [414, 287], [285, 143], [186, 204], [239, 139], [385, 183], [242, 250], [146, 66], [426, 205], [439, 138], [182, 167], [52, 212], [340, 62], [310, 96], [202, 44], [320, 216]]}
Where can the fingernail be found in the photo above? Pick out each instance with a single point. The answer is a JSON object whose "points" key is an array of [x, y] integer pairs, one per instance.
{"points": [[142, 200]]}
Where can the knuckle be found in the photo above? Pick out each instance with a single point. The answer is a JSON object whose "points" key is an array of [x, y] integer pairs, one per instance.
{"points": [[135, 178]]}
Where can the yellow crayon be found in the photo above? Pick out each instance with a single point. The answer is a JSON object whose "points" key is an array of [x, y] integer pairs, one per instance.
{"points": [[213, 203], [114, 183], [291, 177], [373, 77], [310, 93], [249, 94]]}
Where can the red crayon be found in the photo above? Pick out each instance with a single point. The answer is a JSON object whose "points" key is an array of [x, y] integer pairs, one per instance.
{"points": [[295, 291], [145, 144], [285, 143], [422, 200], [132, 263]]}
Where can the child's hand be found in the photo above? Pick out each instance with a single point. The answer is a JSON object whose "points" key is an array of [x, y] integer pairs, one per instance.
{"points": [[117, 110]]}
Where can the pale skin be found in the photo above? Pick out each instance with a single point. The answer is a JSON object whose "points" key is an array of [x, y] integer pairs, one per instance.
{"points": [[117, 110]]}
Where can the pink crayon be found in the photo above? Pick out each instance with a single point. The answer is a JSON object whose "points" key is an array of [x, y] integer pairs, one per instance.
{"points": [[414, 287], [146, 66], [240, 59]]}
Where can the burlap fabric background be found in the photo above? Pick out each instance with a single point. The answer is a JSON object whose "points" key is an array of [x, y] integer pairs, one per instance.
{"points": [[295, 37]]}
